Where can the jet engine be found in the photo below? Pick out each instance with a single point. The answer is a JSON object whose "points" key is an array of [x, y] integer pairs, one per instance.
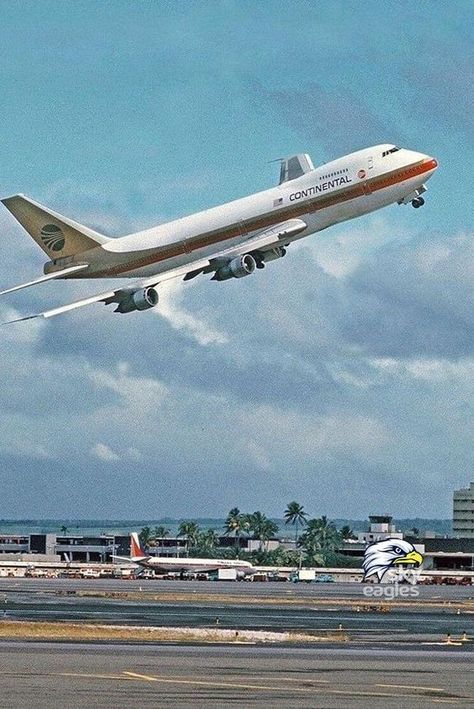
{"points": [[271, 255], [237, 268], [138, 300]]}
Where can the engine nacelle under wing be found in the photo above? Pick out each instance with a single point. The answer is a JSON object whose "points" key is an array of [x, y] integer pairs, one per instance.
{"points": [[142, 299], [270, 255], [237, 268]]}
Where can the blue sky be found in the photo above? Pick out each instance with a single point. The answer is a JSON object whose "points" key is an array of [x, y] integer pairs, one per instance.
{"points": [[342, 377]]}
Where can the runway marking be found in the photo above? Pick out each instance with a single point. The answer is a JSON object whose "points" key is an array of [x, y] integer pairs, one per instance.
{"points": [[88, 675], [208, 683], [444, 701], [239, 685], [297, 679], [410, 686], [128, 675]]}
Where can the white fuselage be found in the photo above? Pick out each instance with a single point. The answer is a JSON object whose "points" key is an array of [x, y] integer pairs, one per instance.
{"points": [[343, 189], [193, 565]]}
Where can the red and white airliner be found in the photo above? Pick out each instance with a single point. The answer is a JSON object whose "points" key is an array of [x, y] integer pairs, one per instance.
{"points": [[230, 241], [180, 565]]}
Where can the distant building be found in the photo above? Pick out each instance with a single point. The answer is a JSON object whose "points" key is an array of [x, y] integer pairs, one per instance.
{"points": [[463, 512], [380, 527], [439, 554], [64, 547]]}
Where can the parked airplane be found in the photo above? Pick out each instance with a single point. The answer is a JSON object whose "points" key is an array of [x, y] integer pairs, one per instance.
{"points": [[229, 241], [165, 564]]}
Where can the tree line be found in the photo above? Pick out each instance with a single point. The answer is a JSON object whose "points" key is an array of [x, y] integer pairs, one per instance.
{"points": [[317, 540]]}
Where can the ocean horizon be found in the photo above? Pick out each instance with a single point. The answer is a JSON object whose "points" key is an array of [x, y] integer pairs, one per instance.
{"points": [[125, 526]]}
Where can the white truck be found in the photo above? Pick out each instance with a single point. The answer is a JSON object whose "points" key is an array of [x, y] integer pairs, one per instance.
{"points": [[307, 575], [227, 574]]}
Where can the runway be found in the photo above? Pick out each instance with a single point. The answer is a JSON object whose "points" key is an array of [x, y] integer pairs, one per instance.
{"points": [[263, 590], [381, 658], [251, 606], [43, 675]]}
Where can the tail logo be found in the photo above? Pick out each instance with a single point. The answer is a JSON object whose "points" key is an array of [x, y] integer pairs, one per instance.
{"points": [[52, 237], [135, 546]]}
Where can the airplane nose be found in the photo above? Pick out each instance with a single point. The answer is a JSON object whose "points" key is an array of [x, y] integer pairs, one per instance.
{"points": [[431, 162]]}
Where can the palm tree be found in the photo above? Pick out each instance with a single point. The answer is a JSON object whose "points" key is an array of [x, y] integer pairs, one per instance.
{"points": [[346, 532], [295, 514], [159, 533], [235, 524], [320, 538], [262, 527], [64, 529], [190, 531], [207, 542], [146, 537]]}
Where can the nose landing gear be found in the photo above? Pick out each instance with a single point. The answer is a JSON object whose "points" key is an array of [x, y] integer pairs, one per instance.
{"points": [[414, 198]]}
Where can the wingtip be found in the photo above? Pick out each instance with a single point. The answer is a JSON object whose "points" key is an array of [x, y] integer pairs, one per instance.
{"points": [[5, 200], [27, 317]]}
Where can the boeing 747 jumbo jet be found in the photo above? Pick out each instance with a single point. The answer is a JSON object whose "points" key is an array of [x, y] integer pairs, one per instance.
{"points": [[181, 565], [229, 241]]}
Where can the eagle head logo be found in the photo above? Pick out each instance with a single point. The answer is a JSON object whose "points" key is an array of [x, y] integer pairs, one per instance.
{"points": [[379, 557]]}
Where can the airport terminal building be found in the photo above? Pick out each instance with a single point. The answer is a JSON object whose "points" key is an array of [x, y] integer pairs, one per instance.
{"points": [[463, 512], [440, 553], [63, 547]]}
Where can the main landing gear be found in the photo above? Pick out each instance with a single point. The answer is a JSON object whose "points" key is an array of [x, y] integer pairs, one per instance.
{"points": [[417, 202]]}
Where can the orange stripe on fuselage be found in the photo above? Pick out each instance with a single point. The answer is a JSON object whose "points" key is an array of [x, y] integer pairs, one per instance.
{"points": [[363, 188]]}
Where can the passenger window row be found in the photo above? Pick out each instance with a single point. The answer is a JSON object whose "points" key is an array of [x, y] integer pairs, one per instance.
{"points": [[334, 174]]}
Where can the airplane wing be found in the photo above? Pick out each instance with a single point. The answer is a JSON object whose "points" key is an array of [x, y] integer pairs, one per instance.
{"points": [[113, 296], [266, 240], [48, 277]]}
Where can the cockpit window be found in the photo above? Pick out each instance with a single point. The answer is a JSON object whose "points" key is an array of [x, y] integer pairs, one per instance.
{"points": [[392, 150]]}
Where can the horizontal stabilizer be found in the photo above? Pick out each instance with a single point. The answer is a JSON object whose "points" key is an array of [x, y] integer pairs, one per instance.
{"points": [[129, 559], [48, 277]]}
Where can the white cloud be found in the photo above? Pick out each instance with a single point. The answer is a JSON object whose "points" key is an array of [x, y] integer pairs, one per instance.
{"points": [[22, 332], [133, 454], [171, 309], [429, 370], [270, 384], [103, 452], [341, 250], [295, 435], [28, 449], [258, 455], [141, 394]]}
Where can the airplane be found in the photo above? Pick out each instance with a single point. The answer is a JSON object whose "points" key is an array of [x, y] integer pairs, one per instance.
{"points": [[181, 565], [229, 241]]}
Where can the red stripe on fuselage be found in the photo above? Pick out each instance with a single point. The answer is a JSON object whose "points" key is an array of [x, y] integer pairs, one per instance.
{"points": [[362, 188]]}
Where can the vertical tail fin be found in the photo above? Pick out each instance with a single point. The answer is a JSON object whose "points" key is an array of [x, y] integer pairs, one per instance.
{"points": [[136, 551], [58, 236]]}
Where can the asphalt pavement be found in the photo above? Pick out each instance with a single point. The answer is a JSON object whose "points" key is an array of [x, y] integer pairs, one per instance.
{"points": [[250, 606], [389, 659], [43, 675], [252, 588]]}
